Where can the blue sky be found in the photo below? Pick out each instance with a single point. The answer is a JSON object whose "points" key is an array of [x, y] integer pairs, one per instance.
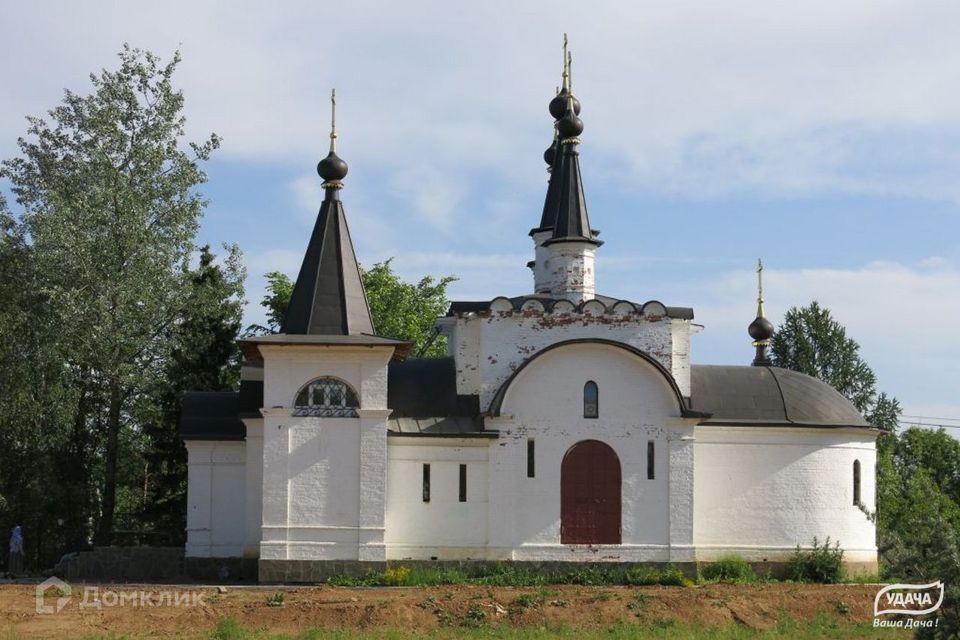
{"points": [[821, 136]]}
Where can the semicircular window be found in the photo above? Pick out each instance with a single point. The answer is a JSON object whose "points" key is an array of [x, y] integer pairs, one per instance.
{"points": [[326, 398]]}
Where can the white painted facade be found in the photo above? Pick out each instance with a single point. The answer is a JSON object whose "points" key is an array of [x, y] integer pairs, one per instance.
{"points": [[308, 488], [341, 489], [760, 492]]}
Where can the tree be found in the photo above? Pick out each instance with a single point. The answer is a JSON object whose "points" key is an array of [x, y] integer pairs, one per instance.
{"points": [[400, 309], [279, 292], [110, 204], [811, 341], [407, 311], [918, 514], [204, 357]]}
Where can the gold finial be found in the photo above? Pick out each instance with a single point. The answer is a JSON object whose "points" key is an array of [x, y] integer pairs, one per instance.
{"points": [[760, 288], [566, 63], [333, 121]]}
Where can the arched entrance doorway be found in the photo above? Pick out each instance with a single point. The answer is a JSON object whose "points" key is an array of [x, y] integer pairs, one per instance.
{"points": [[590, 494]]}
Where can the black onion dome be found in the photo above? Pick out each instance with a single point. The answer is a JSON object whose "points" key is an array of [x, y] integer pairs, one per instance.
{"points": [[760, 329], [332, 167], [570, 126], [558, 106], [550, 154]]}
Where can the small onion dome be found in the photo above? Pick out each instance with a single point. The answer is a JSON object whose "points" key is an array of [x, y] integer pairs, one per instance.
{"points": [[550, 154], [332, 168], [760, 329], [569, 126], [558, 106]]}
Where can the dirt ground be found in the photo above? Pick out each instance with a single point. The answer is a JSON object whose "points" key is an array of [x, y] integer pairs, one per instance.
{"points": [[422, 609]]}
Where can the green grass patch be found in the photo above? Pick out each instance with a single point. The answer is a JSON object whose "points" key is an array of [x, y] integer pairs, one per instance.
{"points": [[506, 575], [476, 625]]}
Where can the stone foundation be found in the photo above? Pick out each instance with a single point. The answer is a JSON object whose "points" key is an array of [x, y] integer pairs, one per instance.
{"points": [[123, 564]]}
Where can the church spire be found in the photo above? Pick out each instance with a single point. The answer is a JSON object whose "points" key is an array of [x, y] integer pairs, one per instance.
{"points": [[571, 222], [761, 329], [328, 298]]}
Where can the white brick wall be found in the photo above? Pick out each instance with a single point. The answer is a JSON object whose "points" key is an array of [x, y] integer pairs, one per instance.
{"points": [[762, 491]]}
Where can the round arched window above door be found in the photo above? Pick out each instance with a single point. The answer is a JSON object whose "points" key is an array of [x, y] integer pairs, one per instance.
{"points": [[326, 398]]}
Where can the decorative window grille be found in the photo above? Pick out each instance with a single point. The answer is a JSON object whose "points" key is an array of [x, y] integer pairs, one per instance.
{"points": [[591, 400], [326, 398]]}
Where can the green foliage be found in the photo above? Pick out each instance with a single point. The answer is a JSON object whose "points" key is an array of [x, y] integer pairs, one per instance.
{"points": [[508, 575], [475, 617], [229, 629], [99, 258], [401, 310], [821, 563], [275, 600], [811, 341], [396, 576], [407, 311], [276, 301], [641, 575], [203, 357], [729, 569], [673, 576]]}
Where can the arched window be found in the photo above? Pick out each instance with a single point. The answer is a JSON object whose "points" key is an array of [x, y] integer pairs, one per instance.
{"points": [[591, 400], [326, 398], [856, 483]]}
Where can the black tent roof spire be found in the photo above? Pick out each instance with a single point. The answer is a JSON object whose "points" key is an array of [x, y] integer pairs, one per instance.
{"points": [[570, 220], [328, 297], [761, 329]]}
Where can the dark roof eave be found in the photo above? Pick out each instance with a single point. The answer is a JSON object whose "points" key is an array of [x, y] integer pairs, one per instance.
{"points": [[421, 434], [250, 346], [720, 422], [592, 241], [212, 438], [536, 230]]}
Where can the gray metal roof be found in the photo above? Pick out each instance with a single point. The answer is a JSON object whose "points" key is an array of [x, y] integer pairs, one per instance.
{"points": [[422, 397], [452, 426], [328, 298], [211, 415], [768, 395]]}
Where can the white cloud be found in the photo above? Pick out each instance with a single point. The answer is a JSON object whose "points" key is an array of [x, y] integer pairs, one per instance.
{"points": [[901, 315], [686, 96]]}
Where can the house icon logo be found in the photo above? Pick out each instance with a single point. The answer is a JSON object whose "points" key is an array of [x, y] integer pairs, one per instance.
{"points": [[58, 588]]}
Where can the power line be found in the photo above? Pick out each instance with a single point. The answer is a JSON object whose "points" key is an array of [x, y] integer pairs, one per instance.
{"points": [[931, 418], [911, 423]]}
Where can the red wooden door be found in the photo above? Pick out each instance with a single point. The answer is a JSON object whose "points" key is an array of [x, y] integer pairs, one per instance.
{"points": [[590, 495]]}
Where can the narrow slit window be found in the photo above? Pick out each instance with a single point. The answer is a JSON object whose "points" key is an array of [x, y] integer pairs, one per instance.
{"points": [[463, 483], [591, 400], [856, 483], [651, 456], [426, 483], [531, 459]]}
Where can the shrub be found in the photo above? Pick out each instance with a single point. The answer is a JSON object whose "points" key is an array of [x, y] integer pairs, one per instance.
{"points": [[228, 629], [396, 576], [641, 575], [591, 575], [729, 569], [822, 563], [276, 600], [672, 576]]}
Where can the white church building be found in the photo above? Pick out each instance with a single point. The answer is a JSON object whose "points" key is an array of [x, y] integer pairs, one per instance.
{"points": [[564, 426]]}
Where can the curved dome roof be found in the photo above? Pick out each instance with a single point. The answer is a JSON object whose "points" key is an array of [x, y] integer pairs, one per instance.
{"points": [[768, 395]]}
